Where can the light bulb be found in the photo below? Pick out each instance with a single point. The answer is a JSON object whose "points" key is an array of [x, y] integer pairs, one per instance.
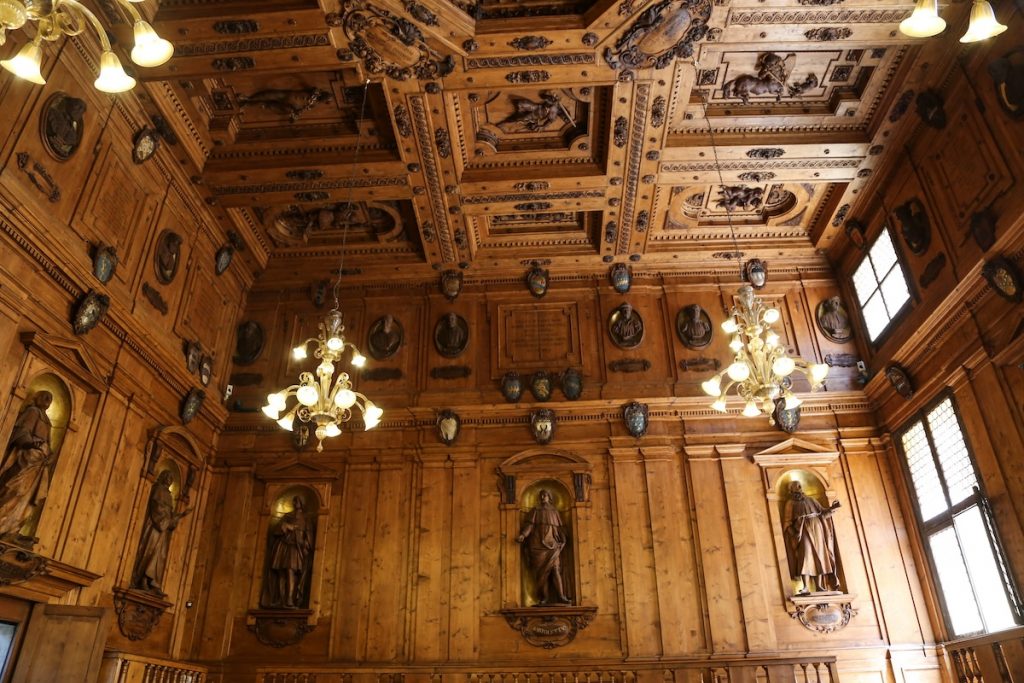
{"points": [[27, 64], [345, 398], [335, 343], [713, 386], [358, 359], [738, 371], [332, 430], [286, 421], [299, 352], [783, 366], [751, 410], [771, 340], [924, 22], [277, 400], [983, 23], [719, 404], [792, 401], [371, 415], [736, 343], [730, 326], [112, 78], [307, 395], [819, 371], [150, 49], [271, 412], [771, 316]]}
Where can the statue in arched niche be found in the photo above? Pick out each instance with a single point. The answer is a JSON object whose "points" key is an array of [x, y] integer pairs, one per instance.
{"points": [[25, 473], [289, 560], [544, 537], [155, 544], [811, 541]]}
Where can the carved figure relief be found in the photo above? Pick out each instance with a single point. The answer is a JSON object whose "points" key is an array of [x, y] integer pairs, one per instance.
{"points": [[914, 225], [534, 116], [391, 45], [167, 256], [542, 425], [193, 356], [385, 338], [635, 416], [1007, 74], [693, 325], [772, 72], [625, 327], [811, 541], [161, 521], [661, 33], [511, 386], [833, 320], [543, 537], [25, 473], [451, 335], [62, 126], [448, 427], [289, 559], [248, 342], [739, 197], [983, 228]]}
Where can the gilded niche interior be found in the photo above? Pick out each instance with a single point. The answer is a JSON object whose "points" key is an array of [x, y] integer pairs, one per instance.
{"points": [[533, 217]]}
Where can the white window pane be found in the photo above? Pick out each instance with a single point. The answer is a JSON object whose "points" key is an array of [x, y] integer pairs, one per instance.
{"points": [[930, 499], [864, 281], [7, 631], [883, 254], [875, 316], [956, 586], [984, 572], [952, 452], [894, 291]]}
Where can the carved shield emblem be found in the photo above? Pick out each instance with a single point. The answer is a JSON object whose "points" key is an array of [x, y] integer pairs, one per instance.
{"points": [[756, 272], [90, 312], [448, 427], [193, 356], [540, 386], [206, 370], [511, 386], [248, 342], [192, 404], [537, 281], [620, 277], [223, 258], [914, 225], [635, 415], [145, 145], [1002, 277], [451, 284], [900, 380], [1007, 74], [104, 262], [318, 293], [664, 31], [300, 435], [542, 425], [572, 384], [786, 420]]}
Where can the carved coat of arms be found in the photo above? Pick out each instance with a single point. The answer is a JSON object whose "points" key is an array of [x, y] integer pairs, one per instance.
{"points": [[661, 33]]}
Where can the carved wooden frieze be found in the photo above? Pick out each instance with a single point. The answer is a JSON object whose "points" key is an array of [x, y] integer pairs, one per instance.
{"points": [[390, 45], [661, 33], [549, 627]]}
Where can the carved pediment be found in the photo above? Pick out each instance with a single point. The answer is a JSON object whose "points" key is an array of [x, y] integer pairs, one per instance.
{"points": [[795, 451], [297, 469], [68, 356]]}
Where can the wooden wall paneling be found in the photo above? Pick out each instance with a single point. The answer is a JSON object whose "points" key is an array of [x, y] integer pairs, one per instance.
{"points": [[351, 620], [841, 376], [680, 600], [464, 606], [635, 559], [64, 643], [655, 381], [433, 526], [677, 297], [725, 609], [387, 608]]}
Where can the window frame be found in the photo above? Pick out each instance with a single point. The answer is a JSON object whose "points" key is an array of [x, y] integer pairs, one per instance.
{"points": [[946, 519], [898, 317]]}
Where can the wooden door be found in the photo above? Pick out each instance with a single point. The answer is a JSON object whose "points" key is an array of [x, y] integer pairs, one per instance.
{"points": [[62, 644]]}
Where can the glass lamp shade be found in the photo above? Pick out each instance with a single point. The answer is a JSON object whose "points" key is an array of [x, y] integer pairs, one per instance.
{"points": [[783, 366], [719, 404], [372, 415], [112, 78], [792, 401], [983, 23], [335, 343], [819, 371], [27, 64], [307, 395], [358, 359], [332, 429], [299, 352], [12, 14], [736, 343], [738, 371], [771, 316], [271, 412], [925, 20], [286, 421], [276, 401], [712, 387], [150, 49], [345, 398], [729, 326], [751, 410]]}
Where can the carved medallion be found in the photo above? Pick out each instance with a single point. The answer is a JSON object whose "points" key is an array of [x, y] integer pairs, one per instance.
{"points": [[833, 320], [1003, 278], [661, 33], [89, 312], [756, 273], [511, 386], [693, 325], [900, 380], [451, 284], [104, 262], [206, 370], [824, 617], [391, 45], [541, 386], [537, 281], [620, 277], [192, 404], [542, 425], [193, 356], [385, 337], [772, 73], [248, 342], [167, 256], [635, 416], [914, 225], [448, 427], [1007, 74], [625, 327], [451, 335], [145, 145], [786, 420], [62, 126], [572, 384]]}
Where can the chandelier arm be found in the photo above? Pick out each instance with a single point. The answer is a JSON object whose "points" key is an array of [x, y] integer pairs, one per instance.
{"points": [[90, 18]]}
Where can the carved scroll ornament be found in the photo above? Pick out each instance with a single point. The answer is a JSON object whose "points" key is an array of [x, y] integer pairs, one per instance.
{"points": [[664, 31], [390, 45]]}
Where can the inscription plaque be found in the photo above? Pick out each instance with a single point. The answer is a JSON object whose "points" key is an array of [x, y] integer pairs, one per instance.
{"points": [[537, 336]]}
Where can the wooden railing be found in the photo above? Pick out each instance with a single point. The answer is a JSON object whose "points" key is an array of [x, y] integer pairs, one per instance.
{"points": [[994, 658], [119, 667], [787, 670]]}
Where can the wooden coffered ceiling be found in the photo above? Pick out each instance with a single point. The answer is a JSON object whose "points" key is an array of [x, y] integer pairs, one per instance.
{"points": [[498, 132]]}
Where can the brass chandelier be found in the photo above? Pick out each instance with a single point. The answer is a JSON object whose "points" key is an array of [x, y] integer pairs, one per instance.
{"points": [[761, 370], [55, 19]]}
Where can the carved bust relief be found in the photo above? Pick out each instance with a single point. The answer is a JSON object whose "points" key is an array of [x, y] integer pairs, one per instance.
{"points": [[62, 125], [167, 256], [451, 335]]}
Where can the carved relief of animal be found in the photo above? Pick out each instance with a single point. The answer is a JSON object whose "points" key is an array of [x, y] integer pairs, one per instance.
{"points": [[739, 197], [772, 71], [291, 103]]}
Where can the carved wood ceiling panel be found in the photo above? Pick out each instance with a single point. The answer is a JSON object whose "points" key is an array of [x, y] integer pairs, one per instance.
{"points": [[496, 131]]}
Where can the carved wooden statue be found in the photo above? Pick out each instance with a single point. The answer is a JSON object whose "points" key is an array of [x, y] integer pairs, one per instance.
{"points": [[161, 521], [545, 539], [25, 475], [811, 540], [289, 560]]}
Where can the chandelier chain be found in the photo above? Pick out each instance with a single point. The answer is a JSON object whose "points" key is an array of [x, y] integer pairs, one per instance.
{"points": [[351, 192]]}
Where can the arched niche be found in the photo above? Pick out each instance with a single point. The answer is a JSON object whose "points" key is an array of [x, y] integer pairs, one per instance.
{"points": [[291, 534], [175, 444], [814, 488], [562, 501]]}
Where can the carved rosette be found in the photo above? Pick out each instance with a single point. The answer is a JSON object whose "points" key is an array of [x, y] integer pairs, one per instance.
{"points": [[823, 613], [138, 612], [280, 627], [391, 45], [549, 627], [18, 565]]}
